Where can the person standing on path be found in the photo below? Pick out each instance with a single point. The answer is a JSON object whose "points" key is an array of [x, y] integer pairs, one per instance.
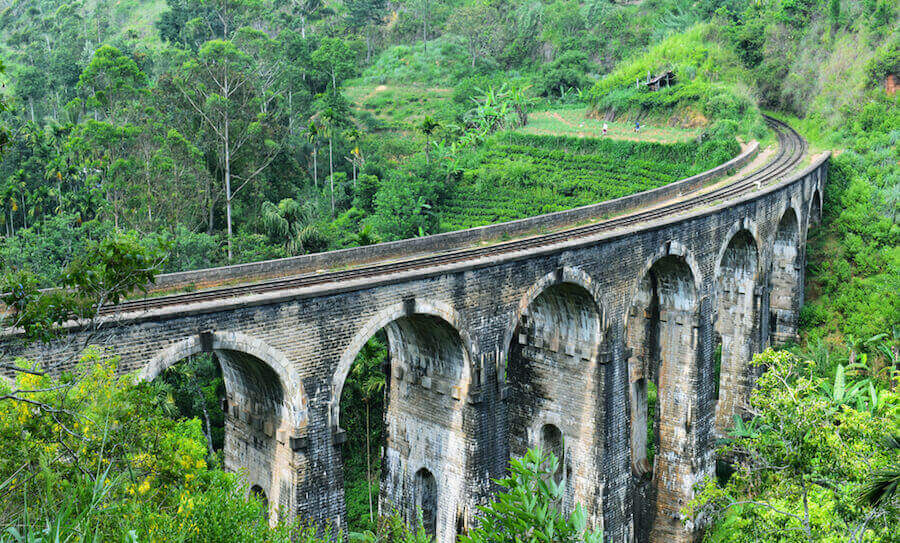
{"points": [[605, 128]]}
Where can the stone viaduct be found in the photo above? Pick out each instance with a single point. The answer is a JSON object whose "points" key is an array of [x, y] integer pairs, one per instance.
{"points": [[554, 346]]}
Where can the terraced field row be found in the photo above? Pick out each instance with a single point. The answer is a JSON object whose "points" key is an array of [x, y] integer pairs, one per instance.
{"points": [[524, 176]]}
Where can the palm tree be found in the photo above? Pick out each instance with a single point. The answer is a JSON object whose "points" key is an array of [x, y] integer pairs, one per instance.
{"points": [[291, 223], [352, 136], [329, 120], [428, 127], [884, 485]]}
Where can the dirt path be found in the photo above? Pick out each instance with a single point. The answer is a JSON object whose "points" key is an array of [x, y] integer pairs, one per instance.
{"points": [[373, 92]]}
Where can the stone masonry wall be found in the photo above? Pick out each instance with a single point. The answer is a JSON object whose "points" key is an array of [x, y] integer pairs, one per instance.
{"points": [[461, 323]]}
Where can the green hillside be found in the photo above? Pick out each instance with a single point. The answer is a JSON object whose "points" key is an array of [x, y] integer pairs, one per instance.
{"points": [[519, 175]]}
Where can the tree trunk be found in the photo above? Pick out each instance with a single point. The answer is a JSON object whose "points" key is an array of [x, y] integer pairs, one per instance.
{"points": [[425, 27], [291, 113], [315, 168], [212, 203], [368, 465], [331, 172], [207, 427], [228, 188]]}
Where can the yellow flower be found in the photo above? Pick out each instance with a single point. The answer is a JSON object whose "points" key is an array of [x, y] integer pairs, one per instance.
{"points": [[145, 486]]}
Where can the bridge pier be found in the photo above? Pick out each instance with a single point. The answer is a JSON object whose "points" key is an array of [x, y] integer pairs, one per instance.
{"points": [[738, 301], [667, 337]]}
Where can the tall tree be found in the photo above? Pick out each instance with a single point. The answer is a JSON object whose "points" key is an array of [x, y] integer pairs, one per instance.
{"points": [[313, 133], [111, 79], [232, 92], [366, 15], [334, 60]]}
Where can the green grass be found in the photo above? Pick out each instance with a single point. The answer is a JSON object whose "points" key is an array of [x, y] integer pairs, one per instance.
{"points": [[574, 122], [396, 105], [521, 175]]}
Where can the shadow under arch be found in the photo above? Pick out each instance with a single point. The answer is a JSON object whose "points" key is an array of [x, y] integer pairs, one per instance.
{"points": [[737, 323], [428, 379], [265, 406], [814, 216], [552, 380], [662, 340], [785, 278]]}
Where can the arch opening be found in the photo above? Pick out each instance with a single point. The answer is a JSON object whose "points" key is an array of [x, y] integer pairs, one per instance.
{"points": [[737, 327], [257, 493], [815, 209], [552, 442], [415, 418], [554, 389], [661, 336], [197, 389], [426, 492], [237, 380], [784, 286]]}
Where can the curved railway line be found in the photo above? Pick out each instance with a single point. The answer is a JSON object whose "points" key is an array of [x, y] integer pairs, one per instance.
{"points": [[791, 149]]}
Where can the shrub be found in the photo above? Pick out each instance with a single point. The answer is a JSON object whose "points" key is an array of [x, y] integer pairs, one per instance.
{"points": [[529, 509]]}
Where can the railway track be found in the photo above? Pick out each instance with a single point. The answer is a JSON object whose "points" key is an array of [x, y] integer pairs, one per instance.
{"points": [[791, 149]]}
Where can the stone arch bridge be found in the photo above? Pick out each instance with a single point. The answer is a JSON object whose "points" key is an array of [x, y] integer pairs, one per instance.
{"points": [[550, 340]]}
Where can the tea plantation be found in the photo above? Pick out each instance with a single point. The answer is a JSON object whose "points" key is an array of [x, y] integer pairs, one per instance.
{"points": [[521, 175]]}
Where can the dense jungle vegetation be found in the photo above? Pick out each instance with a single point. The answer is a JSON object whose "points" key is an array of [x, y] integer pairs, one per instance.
{"points": [[126, 151]]}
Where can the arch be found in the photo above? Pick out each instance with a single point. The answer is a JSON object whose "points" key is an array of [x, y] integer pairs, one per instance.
{"points": [[785, 269], [738, 302], [565, 274], [258, 493], [553, 441], [553, 378], [296, 402], [662, 336], [427, 414], [815, 208], [426, 499], [265, 404], [749, 228], [381, 320], [673, 249]]}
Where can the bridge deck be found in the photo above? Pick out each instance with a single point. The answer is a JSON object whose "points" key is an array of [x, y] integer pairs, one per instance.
{"points": [[686, 196]]}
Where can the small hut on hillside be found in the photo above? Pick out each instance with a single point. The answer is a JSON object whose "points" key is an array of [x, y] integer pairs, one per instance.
{"points": [[665, 79]]}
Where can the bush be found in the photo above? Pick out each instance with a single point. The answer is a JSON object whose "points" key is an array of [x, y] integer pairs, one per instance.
{"points": [[101, 461], [529, 507], [568, 71]]}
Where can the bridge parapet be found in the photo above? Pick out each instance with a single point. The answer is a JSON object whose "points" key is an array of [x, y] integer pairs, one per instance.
{"points": [[406, 248]]}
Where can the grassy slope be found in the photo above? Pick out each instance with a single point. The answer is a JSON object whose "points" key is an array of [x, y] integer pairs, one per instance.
{"points": [[711, 85], [575, 122], [524, 175]]}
